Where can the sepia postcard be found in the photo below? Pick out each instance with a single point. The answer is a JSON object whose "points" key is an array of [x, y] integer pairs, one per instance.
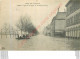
{"points": [[40, 25]]}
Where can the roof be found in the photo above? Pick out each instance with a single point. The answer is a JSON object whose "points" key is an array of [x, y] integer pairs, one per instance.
{"points": [[60, 15], [53, 18], [70, 1]]}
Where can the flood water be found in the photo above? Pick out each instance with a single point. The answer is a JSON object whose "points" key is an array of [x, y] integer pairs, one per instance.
{"points": [[39, 42]]}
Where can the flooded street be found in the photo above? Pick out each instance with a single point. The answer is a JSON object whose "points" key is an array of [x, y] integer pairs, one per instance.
{"points": [[40, 42]]}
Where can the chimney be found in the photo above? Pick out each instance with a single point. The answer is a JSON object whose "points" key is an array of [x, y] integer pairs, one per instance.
{"points": [[58, 9]]}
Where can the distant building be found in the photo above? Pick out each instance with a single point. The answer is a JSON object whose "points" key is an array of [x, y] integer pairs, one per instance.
{"points": [[58, 24], [47, 30], [73, 19]]}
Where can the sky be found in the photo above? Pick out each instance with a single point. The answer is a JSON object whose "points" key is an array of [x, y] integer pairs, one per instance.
{"points": [[10, 12]]}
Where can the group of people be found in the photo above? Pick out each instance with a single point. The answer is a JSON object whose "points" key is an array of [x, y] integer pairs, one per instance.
{"points": [[23, 36]]}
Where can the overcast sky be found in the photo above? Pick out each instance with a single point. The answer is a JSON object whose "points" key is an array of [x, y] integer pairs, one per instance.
{"points": [[10, 12]]}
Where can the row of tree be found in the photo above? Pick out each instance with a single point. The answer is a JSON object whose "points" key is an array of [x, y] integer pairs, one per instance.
{"points": [[7, 29], [24, 24]]}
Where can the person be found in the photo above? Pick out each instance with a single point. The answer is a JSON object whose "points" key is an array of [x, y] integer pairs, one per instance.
{"points": [[18, 35], [23, 36]]}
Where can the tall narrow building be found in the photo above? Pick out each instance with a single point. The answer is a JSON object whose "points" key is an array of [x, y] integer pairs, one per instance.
{"points": [[58, 24]]}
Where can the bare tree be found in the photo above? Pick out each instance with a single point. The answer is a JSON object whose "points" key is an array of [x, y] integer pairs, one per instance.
{"points": [[22, 24], [8, 29], [25, 24]]}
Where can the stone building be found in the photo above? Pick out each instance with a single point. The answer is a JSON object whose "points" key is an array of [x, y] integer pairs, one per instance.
{"points": [[58, 24], [73, 19]]}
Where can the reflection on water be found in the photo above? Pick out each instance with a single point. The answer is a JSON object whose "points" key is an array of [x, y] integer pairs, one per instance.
{"points": [[74, 44], [71, 44], [41, 42]]}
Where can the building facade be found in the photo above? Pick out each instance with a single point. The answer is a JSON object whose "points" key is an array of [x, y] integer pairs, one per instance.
{"points": [[73, 19], [58, 24]]}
